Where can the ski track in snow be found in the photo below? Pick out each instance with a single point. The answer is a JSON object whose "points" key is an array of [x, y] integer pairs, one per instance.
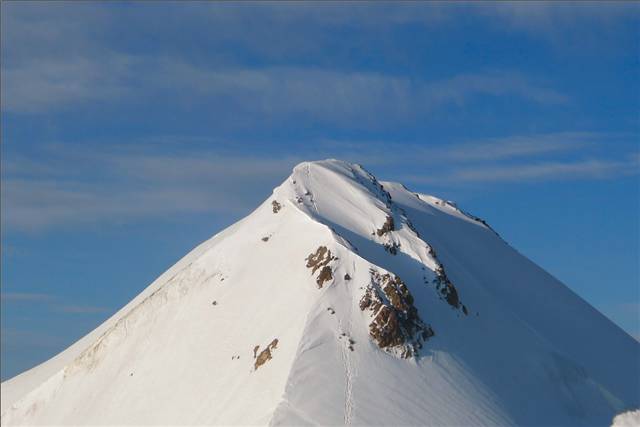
{"points": [[346, 359]]}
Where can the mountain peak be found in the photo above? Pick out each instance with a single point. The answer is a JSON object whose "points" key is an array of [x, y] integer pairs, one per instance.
{"points": [[342, 300]]}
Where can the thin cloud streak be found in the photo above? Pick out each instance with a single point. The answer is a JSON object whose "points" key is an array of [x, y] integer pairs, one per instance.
{"points": [[20, 338], [120, 185], [134, 187], [81, 309], [472, 151], [269, 92], [520, 146], [541, 171], [52, 302], [58, 55], [23, 296], [45, 85]]}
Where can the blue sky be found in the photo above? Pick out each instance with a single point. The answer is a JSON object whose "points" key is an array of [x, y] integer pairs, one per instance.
{"points": [[133, 131]]}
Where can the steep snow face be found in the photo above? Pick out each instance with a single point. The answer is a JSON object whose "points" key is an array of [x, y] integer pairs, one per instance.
{"points": [[343, 300], [480, 260]]}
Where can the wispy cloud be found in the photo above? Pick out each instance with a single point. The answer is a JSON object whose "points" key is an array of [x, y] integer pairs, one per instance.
{"points": [[51, 302], [552, 19], [272, 23], [58, 55], [324, 95], [516, 158], [80, 309], [84, 185], [479, 151], [53, 63], [537, 171], [22, 296], [550, 170], [518, 146], [19, 338], [53, 84], [125, 186]]}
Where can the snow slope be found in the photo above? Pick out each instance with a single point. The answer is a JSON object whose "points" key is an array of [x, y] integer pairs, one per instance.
{"points": [[342, 300]]}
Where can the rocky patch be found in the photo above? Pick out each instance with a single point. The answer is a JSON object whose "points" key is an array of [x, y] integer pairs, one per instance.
{"points": [[396, 325], [446, 288], [276, 206], [265, 355], [320, 260], [386, 227], [392, 248], [324, 276]]}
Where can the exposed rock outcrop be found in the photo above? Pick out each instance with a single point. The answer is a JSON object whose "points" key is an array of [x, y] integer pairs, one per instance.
{"points": [[446, 288], [265, 355], [396, 324], [320, 260], [388, 226], [392, 248], [324, 276]]}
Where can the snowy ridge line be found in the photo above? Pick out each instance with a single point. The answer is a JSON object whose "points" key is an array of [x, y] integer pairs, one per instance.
{"points": [[448, 204], [69, 355], [158, 297], [89, 357]]}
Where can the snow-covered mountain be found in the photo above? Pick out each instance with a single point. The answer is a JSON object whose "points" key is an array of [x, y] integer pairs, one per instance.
{"points": [[343, 300]]}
